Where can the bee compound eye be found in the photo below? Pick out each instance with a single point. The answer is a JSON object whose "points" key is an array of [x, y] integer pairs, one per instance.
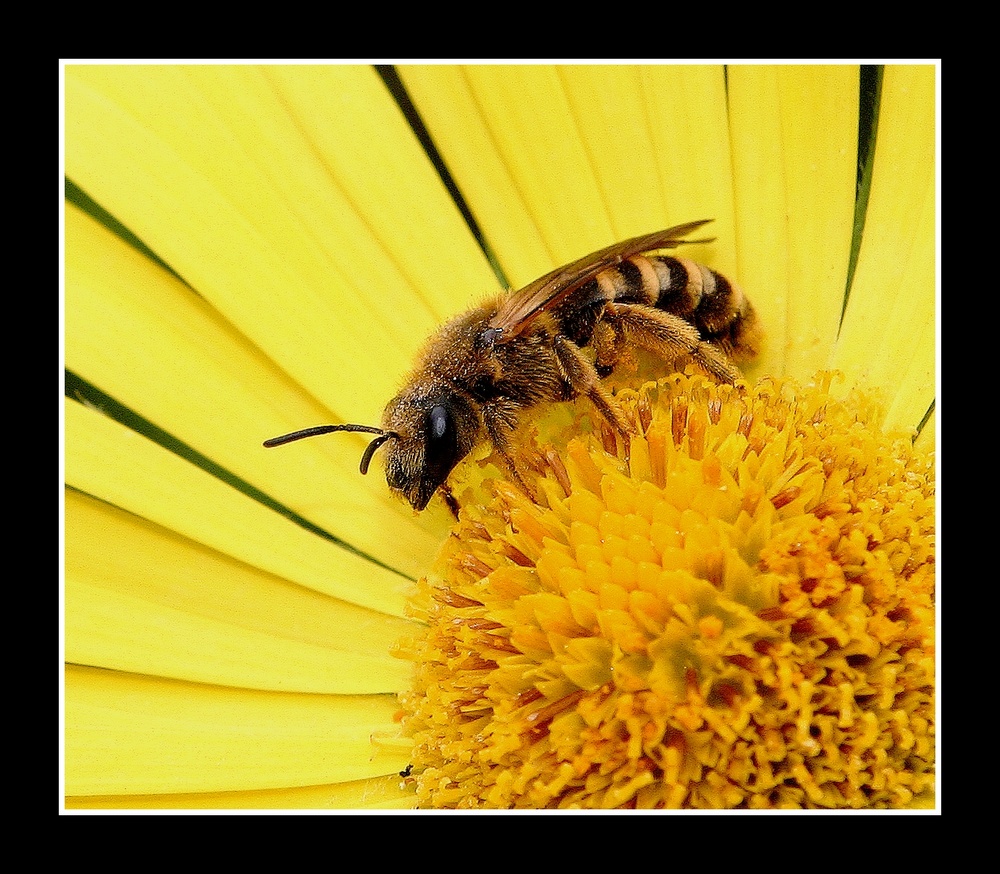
{"points": [[439, 422], [441, 447]]}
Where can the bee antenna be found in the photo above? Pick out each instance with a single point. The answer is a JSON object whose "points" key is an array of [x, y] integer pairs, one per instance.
{"points": [[322, 429], [383, 435], [374, 445]]}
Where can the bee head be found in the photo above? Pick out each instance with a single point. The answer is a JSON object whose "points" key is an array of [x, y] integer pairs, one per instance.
{"points": [[433, 432], [426, 436]]}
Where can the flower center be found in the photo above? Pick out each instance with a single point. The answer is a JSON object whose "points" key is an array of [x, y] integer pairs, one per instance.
{"points": [[735, 609]]}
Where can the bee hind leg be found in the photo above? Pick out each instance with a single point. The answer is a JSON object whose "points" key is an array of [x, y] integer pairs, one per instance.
{"points": [[667, 336], [607, 348]]}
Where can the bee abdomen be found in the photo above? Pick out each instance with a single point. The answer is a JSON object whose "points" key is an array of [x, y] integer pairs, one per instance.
{"points": [[718, 308]]}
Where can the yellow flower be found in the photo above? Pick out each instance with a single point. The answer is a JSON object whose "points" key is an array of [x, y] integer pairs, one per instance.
{"points": [[230, 611]]}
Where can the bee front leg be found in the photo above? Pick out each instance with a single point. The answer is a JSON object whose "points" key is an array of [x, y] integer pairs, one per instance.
{"points": [[584, 380], [500, 421], [667, 336], [449, 498]]}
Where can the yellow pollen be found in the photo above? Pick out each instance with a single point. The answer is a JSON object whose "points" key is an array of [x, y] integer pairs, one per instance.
{"points": [[732, 609]]}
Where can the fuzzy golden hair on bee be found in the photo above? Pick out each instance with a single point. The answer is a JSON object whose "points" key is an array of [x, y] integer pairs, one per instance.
{"points": [[555, 339]]}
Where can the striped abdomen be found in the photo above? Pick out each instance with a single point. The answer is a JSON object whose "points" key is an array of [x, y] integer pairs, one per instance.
{"points": [[717, 307]]}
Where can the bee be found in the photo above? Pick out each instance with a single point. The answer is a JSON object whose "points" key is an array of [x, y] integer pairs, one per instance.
{"points": [[553, 340]]}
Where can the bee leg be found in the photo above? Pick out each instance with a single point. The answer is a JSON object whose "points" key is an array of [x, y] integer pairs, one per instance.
{"points": [[500, 422], [449, 499], [583, 379], [607, 348], [667, 336]]}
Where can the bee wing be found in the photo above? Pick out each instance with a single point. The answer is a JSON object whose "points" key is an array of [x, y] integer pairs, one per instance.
{"points": [[521, 307]]}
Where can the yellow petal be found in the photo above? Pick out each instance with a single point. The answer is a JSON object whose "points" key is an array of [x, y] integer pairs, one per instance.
{"points": [[131, 734], [794, 194], [368, 147], [121, 307], [140, 598], [657, 143], [559, 161], [531, 119], [462, 134], [377, 793], [111, 462], [686, 108], [888, 335], [606, 106]]}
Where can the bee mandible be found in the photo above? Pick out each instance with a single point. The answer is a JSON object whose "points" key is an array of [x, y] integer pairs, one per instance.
{"points": [[482, 369]]}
